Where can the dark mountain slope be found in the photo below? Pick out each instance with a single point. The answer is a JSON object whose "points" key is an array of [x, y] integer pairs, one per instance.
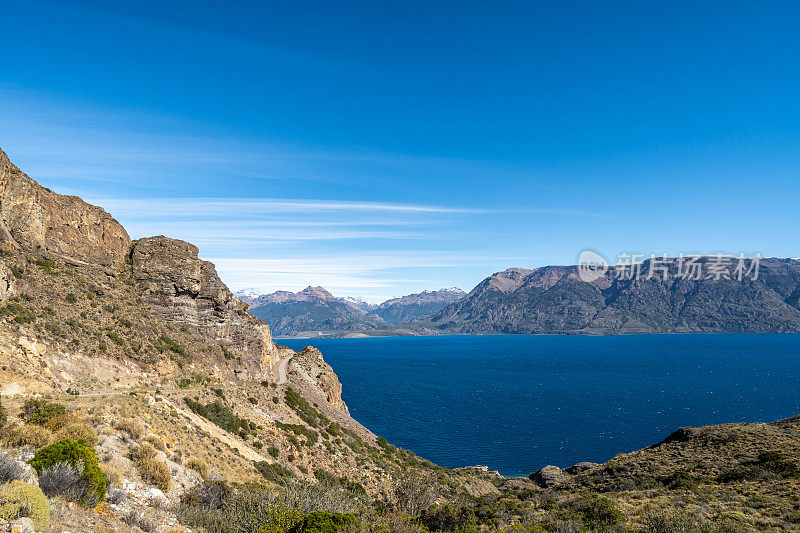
{"points": [[554, 299], [415, 306], [311, 310]]}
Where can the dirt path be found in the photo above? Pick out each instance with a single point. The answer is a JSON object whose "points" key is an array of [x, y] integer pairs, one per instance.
{"points": [[283, 365]]}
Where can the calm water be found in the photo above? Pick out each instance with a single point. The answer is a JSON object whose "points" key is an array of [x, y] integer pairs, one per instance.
{"points": [[517, 403]]}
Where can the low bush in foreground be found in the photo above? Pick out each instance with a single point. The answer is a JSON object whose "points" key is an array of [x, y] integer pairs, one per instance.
{"points": [[322, 522], [78, 454], [296, 508], [18, 499]]}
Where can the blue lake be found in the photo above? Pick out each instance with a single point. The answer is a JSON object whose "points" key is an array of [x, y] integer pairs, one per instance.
{"points": [[517, 403]]}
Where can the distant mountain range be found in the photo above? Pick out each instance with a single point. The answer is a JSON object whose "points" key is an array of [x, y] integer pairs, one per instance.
{"points": [[559, 300], [315, 311], [662, 299]]}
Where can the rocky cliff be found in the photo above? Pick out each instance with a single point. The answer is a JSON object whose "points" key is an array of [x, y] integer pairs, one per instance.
{"points": [[184, 290], [41, 221], [663, 299]]}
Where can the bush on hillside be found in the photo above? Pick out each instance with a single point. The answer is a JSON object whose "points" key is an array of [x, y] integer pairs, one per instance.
{"points": [[274, 472], [198, 466], [39, 411], [769, 465], [3, 416], [304, 410], [132, 427], [596, 511], [74, 452], [18, 500], [221, 415]]}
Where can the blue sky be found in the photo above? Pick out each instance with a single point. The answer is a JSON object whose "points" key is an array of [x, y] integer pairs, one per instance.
{"points": [[388, 147]]}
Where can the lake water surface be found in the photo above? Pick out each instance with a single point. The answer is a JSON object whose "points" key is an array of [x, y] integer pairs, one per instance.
{"points": [[519, 402]]}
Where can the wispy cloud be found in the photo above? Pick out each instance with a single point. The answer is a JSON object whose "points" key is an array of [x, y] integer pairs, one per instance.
{"points": [[178, 207]]}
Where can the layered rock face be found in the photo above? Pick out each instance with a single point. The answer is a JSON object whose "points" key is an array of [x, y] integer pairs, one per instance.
{"points": [[185, 290], [309, 366], [42, 221]]}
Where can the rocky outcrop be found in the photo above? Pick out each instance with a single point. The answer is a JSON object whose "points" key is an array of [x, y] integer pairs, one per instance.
{"points": [[185, 290], [309, 367], [43, 222], [583, 466], [549, 476], [554, 299]]}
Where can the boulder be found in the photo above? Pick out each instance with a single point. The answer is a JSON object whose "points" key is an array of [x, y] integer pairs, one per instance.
{"points": [[22, 525], [549, 476]]}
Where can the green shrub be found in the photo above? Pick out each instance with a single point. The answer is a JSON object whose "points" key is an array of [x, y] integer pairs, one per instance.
{"points": [[116, 338], [598, 512], [769, 465], [71, 298], [297, 429], [39, 411], [221, 415], [274, 472], [217, 507], [18, 499], [21, 314], [273, 451], [680, 480], [323, 522], [304, 410], [73, 451], [3, 416], [448, 517], [45, 264]]}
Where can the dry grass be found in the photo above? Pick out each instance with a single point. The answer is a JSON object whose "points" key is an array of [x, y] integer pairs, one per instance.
{"points": [[27, 435], [157, 442], [78, 432], [61, 421], [150, 468], [132, 427], [198, 466]]}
